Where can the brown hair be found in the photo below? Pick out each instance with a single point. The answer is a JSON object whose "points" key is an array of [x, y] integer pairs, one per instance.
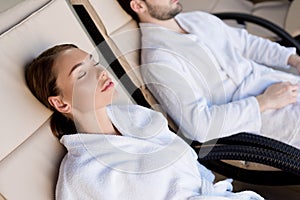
{"points": [[125, 4], [41, 80]]}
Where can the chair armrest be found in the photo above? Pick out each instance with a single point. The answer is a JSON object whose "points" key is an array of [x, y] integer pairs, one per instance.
{"points": [[284, 159]]}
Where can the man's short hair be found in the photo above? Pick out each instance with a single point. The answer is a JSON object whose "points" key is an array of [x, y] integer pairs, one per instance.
{"points": [[125, 4]]}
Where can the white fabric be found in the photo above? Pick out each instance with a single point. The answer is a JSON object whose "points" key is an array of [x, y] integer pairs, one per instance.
{"points": [[147, 161], [195, 76]]}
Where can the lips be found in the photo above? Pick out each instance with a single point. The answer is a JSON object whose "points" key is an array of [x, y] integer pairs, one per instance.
{"points": [[108, 84]]}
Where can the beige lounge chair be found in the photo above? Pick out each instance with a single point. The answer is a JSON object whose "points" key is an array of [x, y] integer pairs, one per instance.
{"points": [[29, 154]]}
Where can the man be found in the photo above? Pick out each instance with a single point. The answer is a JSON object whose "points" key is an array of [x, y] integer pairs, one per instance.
{"points": [[215, 80]]}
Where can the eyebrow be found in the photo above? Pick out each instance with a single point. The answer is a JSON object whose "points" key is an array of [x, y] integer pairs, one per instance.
{"points": [[79, 64]]}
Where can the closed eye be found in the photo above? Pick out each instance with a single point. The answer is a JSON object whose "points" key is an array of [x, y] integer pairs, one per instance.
{"points": [[96, 64], [81, 74]]}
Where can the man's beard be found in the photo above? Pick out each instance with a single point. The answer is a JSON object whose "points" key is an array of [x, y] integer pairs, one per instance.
{"points": [[163, 13]]}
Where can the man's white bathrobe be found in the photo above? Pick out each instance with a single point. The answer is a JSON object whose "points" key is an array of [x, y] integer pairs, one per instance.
{"points": [[206, 80], [147, 162]]}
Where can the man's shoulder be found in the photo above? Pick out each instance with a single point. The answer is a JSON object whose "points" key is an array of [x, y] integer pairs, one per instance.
{"points": [[197, 17], [194, 14]]}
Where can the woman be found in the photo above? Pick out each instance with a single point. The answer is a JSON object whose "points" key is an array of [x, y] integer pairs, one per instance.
{"points": [[114, 151]]}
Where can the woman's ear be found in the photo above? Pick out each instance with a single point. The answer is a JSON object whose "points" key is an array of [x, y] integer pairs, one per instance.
{"points": [[137, 6], [59, 104]]}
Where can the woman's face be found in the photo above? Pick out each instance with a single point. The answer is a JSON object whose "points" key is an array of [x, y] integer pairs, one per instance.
{"points": [[84, 85]]}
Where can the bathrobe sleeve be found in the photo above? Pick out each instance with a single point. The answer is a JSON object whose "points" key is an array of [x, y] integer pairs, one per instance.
{"points": [[258, 49], [185, 99]]}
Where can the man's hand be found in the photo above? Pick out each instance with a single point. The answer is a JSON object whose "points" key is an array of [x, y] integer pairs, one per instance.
{"points": [[294, 61], [278, 95]]}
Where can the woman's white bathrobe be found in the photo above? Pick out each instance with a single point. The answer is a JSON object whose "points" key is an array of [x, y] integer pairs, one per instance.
{"points": [[206, 79], [146, 162]]}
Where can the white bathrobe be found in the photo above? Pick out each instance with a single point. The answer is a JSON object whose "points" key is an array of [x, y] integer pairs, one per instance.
{"points": [[206, 80], [146, 162]]}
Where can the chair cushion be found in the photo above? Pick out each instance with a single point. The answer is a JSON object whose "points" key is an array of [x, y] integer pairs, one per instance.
{"points": [[18, 46], [29, 154], [105, 8], [30, 171], [17, 13]]}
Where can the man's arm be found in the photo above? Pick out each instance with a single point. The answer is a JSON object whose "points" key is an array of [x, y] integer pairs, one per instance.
{"points": [[259, 49]]}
